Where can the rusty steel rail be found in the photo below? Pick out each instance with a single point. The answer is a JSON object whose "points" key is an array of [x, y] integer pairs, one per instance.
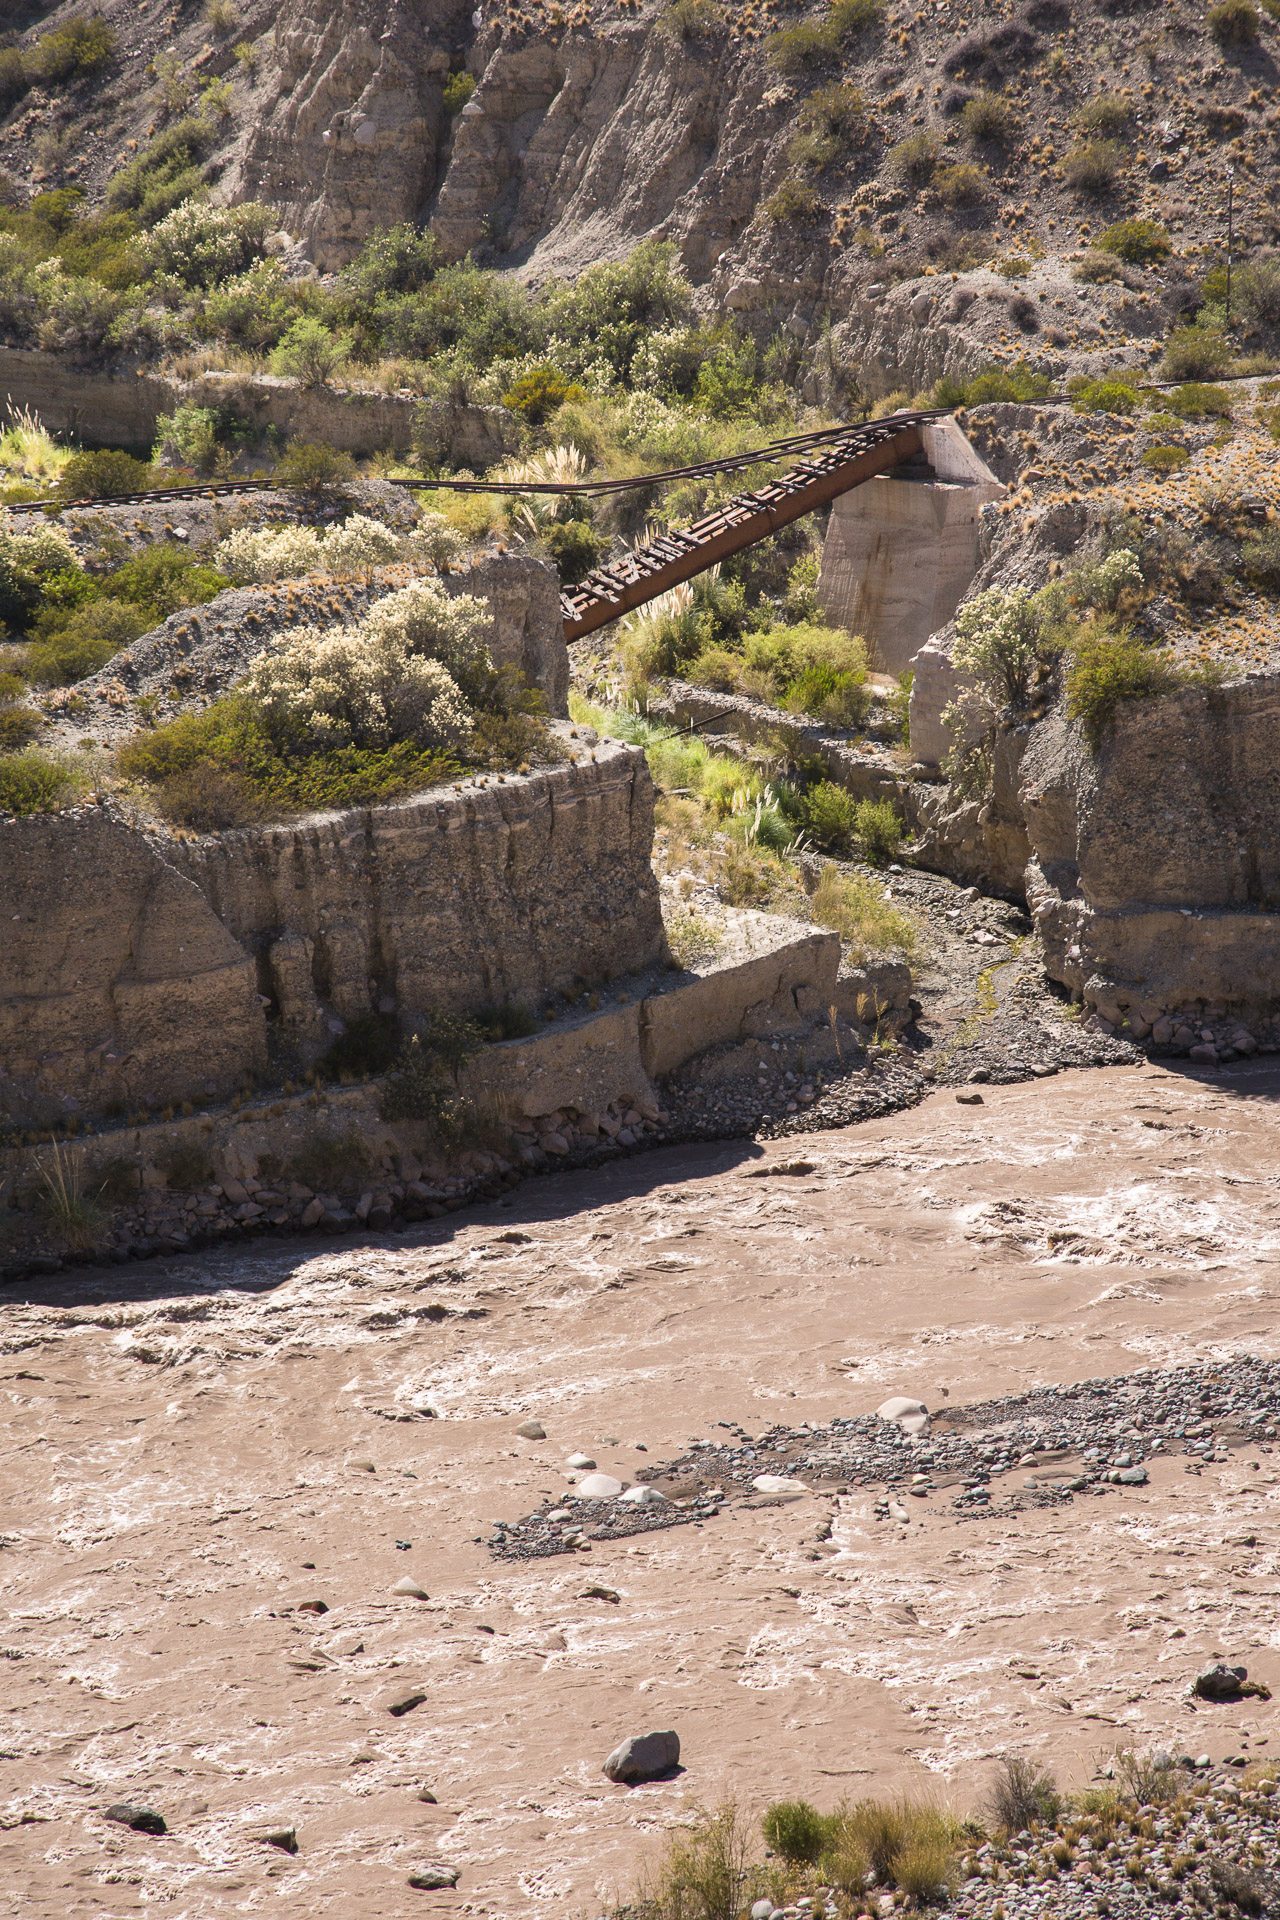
{"points": [[858, 455]]}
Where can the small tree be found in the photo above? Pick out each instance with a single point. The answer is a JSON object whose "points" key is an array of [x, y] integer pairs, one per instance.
{"points": [[103, 476], [316, 471], [310, 353]]}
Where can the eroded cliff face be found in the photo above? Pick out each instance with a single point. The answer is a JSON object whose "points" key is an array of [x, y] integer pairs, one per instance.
{"points": [[141, 968], [350, 123], [1155, 868]]}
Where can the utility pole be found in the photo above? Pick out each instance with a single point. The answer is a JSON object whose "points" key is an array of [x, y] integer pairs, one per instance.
{"points": [[1231, 232]]}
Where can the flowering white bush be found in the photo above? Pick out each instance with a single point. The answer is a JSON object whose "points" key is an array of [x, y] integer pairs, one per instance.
{"points": [[998, 642], [358, 546], [350, 686], [45, 550], [1118, 574], [668, 360], [433, 542], [641, 416], [270, 553], [427, 623], [394, 676], [199, 245]]}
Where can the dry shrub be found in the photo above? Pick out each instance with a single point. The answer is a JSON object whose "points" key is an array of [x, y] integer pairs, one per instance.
{"points": [[1023, 1795], [705, 1872]]}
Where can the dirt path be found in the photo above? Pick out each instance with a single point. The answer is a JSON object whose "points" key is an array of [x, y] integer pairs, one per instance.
{"points": [[187, 1462]]}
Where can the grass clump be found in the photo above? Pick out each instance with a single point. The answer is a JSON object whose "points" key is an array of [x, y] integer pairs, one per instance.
{"points": [[326, 1160], [71, 1211], [855, 907], [811, 43], [1233, 23], [1138, 242], [1094, 168]]}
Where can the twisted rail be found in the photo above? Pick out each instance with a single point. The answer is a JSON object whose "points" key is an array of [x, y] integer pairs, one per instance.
{"points": [[838, 459]]}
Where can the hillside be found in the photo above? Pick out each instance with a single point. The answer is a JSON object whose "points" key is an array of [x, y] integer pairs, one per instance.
{"points": [[802, 163]]}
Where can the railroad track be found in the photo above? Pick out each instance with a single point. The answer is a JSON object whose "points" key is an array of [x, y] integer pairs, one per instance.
{"points": [[841, 463], [833, 461]]}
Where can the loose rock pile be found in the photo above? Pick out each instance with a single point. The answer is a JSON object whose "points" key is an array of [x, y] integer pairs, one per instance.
{"points": [[1197, 1847], [1107, 1429]]}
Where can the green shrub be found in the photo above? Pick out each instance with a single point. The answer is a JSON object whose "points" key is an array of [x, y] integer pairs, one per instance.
{"points": [[878, 831], [84, 642], [688, 20], [990, 117], [1107, 114], [1261, 558], [1137, 241], [504, 1021], [575, 547], [1018, 382], [162, 579], [423, 1081], [718, 669], [166, 172], [18, 728], [458, 89], [185, 1164], [15, 77], [32, 783], [80, 46], [318, 472], [1105, 396], [1164, 459], [915, 159], [1023, 1796], [326, 1160], [393, 260], [826, 124], [794, 201], [1196, 353], [1233, 23], [1256, 290], [1094, 168], [103, 476], [795, 1831], [705, 1872], [1196, 401], [369, 1045], [1108, 667], [539, 392], [809, 669], [310, 352], [807, 44], [962, 185], [829, 813]]}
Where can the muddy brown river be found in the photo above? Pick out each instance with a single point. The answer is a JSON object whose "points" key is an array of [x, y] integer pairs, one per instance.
{"points": [[196, 1450]]}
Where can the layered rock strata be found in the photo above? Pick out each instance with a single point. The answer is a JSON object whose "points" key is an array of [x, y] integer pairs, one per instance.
{"points": [[142, 968]]}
